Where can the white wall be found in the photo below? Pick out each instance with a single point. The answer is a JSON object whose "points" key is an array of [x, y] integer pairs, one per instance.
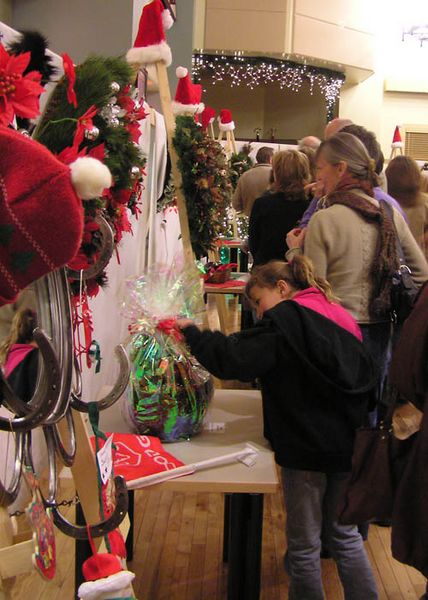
{"points": [[292, 114], [401, 66], [78, 27], [5, 11]]}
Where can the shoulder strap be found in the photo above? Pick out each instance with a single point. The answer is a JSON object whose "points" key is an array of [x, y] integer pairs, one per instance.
{"points": [[390, 211]]}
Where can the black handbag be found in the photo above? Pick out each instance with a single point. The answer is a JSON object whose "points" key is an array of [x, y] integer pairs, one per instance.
{"points": [[404, 290]]}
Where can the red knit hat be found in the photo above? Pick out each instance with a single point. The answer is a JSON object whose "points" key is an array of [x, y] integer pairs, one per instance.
{"points": [[396, 140], [150, 45], [207, 116], [100, 565], [104, 577], [41, 215], [225, 121], [188, 95]]}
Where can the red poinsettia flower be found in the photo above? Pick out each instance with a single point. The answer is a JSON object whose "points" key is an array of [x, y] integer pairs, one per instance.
{"points": [[71, 76], [84, 122], [98, 152], [80, 262], [19, 94], [70, 154]]}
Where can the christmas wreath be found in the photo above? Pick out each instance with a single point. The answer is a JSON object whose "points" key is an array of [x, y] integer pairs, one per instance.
{"points": [[206, 183], [91, 112]]}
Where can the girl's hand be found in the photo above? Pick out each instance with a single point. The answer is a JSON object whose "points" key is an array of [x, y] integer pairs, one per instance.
{"points": [[183, 323], [295, 238]]}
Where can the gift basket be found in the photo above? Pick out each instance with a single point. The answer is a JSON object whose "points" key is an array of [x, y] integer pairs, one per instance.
{"points": [[169, 390], [216, 272]]}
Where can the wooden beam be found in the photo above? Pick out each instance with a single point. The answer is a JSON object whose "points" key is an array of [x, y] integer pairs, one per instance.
{"points": [[165, 97]]}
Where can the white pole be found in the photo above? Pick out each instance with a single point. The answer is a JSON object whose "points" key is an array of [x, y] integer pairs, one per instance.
{"points": [[248, 456]]}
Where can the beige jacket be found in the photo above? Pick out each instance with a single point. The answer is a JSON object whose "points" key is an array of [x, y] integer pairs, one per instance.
{"points": [[418, 222], [251, 185], [342, 245]]}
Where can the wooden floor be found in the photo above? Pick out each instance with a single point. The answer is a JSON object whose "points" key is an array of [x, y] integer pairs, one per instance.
{"points": [[178, 550]]}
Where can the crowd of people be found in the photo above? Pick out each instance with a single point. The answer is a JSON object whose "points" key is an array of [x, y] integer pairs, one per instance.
{"points": [[323, 236]]}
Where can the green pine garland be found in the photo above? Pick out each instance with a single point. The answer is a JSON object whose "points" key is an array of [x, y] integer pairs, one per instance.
{"points": [[93, 86], [57, 127], [239, 163], [206, 183]]}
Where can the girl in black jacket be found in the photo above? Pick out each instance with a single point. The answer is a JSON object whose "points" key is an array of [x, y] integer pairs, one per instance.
{"points": [[316, 380]]}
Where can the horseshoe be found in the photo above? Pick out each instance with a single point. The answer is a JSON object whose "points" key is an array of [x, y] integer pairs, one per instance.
{"points": [[79, 532], [45, 397], [106, 251], [118, 388]]}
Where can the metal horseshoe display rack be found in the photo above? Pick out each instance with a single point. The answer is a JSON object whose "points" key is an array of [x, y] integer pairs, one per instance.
{"points": [[57, 408]]}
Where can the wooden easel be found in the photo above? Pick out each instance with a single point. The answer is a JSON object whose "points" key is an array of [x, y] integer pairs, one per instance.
{"points": [[396, 151], [16, 558], [230, 147], [211, 131], [165, 97]]}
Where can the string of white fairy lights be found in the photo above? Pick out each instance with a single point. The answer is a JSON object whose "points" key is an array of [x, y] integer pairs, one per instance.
{"points": [[253, 71]]}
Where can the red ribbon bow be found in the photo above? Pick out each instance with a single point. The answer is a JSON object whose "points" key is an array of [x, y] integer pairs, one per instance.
{"points": [[169, 327]]}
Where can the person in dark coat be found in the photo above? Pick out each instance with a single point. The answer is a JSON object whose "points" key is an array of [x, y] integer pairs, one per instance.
{"points": [[280, 208], [409, 374], [19, 354], [316, 381]]}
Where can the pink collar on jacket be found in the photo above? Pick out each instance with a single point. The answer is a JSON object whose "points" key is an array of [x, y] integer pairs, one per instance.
{"points": [[316, 300], [17, 353]]}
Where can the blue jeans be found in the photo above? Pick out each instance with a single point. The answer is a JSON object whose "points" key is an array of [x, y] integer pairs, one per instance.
{"points": [[311, 500]]}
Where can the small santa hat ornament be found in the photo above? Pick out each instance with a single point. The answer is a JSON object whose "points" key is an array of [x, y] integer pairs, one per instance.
{"points": [[105, 579], [207, 116], [225, 121], [150, 45], [41, 213], [396, 140], [187, 95]]}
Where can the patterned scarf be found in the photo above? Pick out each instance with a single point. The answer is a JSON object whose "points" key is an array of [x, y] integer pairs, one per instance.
{"points": [[385, 262]]}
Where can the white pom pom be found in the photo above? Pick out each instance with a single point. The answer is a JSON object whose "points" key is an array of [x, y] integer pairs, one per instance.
{"points": [[181, 72], [90, 177], [167, 20]]}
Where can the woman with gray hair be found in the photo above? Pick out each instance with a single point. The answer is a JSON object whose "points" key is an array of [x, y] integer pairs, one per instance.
{"points": [[352, 242]]}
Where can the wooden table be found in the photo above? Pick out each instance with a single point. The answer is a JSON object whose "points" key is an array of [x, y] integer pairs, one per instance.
{"points": [[221, 290], [241, 413]]}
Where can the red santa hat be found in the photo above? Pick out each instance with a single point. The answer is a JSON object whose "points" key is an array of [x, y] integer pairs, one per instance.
{"points": [[150, 45], [104, 577], [187, 96], [207, 116], [225, 121], [396, 140], [41, 213]]}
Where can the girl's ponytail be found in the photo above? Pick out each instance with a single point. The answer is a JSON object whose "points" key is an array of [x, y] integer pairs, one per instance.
{"points": [[303, 276], [299, 274]]}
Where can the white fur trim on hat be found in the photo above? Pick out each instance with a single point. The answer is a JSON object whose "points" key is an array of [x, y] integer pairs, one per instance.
{"points": [[397, 145], [90, 177], [91, 590], [226, 126], [167, 20], [147, 55], [181, 72], [181, 109]]}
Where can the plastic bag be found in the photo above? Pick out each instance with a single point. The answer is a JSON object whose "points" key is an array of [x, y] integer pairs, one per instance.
{"points": [[169, 390]]}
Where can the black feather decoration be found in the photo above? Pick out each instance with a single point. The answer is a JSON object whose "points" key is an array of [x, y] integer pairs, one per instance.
{"points": [[35, 43]]}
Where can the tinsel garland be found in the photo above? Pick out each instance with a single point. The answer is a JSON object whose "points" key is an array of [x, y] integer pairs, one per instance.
{"points": [[206, 183], [253, 71]]}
